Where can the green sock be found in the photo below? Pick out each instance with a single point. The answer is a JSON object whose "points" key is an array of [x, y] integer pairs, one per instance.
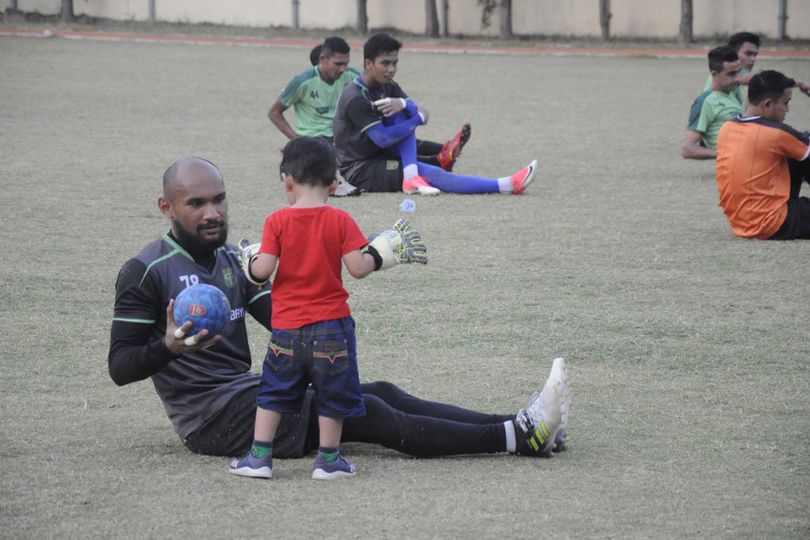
{"points": [[328, 454], [261, 449]]}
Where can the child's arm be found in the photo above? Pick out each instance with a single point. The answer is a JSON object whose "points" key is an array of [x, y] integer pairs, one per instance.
{"points": [[358, 263], [262, 266]]}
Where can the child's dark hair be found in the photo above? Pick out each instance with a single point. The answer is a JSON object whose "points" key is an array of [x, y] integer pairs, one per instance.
{"points": [[768, 84], [309, 161], [379, 44]]}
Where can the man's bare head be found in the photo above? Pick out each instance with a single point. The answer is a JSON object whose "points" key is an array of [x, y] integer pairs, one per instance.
{"points": [[194, 201], [181, 170]]}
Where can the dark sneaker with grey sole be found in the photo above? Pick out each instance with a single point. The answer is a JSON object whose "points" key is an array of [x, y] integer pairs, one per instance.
{"points": [[332, 470], [252, 467]]}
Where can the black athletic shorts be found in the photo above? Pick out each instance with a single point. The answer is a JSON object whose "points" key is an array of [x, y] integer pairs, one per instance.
{"points": [[384, 174], [797, 222], [230, 433]]}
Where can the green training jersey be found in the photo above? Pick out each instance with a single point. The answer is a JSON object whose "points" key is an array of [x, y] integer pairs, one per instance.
{"points": [[709, 112], [739, 93], [314, 101]]}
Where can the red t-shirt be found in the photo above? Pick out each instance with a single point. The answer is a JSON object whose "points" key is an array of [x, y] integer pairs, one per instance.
{"points": [[309, 244]]}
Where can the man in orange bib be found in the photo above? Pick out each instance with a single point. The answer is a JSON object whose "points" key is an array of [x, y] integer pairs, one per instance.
{"points": [[762, 163]]}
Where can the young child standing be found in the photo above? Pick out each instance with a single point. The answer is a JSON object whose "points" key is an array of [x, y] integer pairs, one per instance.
{"points": [[313, 339]]}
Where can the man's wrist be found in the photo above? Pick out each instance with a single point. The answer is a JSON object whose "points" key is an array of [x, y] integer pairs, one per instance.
{"points": [[163, 351]]}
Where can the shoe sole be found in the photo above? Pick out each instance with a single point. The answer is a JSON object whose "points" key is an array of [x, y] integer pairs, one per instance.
{"points": [[353, 193], [558, 378], [459, 140], [424, 193], [463, 138], [264, 472], [466, 132], [320, 474]]}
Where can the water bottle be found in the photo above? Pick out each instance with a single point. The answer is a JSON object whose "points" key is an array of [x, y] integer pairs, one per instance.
{"points": [[408, 206]]}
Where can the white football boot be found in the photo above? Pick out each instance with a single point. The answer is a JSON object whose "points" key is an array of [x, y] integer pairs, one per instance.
{"points": [[544, 416]]}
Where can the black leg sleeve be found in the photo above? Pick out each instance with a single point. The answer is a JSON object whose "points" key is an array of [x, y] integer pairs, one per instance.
{"points": [[421, 436], [426, 152], [399, 399]]}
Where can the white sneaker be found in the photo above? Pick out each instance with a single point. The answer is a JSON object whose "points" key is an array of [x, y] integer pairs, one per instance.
{"points": [[524, 177], [418, 184], [545, 414], [345, 189]]}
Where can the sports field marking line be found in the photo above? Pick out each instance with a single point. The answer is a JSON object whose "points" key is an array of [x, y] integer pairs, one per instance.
{"points": [[304, 43]]}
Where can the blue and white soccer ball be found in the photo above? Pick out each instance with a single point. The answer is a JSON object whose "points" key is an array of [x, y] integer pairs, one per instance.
{"points": [[205, 306]]}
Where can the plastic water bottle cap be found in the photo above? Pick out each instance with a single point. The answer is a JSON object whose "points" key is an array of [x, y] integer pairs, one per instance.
{"points": [[408, 205]]}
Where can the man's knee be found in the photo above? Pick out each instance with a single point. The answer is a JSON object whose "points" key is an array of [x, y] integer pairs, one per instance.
{"points": [[381, 389]]}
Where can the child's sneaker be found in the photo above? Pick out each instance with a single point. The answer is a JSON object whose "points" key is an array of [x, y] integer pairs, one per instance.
{"points": [[418, 184], [252, 467], [332, 470]]}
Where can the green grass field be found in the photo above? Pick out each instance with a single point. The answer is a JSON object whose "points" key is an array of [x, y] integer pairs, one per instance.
{"points": [[687, 347]]}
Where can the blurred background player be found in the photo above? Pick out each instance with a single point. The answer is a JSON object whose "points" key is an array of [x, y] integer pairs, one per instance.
{"points": [[314, 92], [746, 45], [762, 163], [313, 95], [313, 339], [376, 143], [713, 107]]}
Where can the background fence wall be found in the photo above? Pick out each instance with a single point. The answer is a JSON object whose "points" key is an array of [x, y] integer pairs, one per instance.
{"points": [[631, 18]]}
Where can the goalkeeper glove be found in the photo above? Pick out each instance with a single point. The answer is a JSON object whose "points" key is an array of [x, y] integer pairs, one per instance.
{"points": [[400, 245], [247, 254]]}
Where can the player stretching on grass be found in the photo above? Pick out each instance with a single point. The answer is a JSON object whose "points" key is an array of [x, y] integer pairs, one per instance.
{"points": [[313, 339], [375, 138], [206, 386]]}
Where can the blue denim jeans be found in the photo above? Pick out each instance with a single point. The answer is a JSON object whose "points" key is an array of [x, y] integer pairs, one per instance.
{"points": [[323, 354]]}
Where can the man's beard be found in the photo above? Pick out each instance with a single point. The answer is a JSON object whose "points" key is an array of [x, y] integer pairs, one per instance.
{"points": [[196, 245]]}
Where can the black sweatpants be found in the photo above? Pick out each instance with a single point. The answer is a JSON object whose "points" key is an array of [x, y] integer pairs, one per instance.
{"points": [[394, 419], [414, 426]]}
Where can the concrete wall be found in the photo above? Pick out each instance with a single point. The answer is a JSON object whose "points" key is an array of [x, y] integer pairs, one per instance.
{"points": [[631, 18]]}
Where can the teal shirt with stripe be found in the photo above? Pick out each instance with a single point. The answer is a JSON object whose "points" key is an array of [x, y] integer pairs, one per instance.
{"points": [[709, 112], [314, 101]]}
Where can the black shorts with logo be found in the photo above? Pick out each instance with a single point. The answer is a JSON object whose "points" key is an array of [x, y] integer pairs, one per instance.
{"points": [[230, 433]]}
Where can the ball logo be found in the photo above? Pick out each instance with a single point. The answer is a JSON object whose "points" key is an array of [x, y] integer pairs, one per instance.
{"points": [[196, 310]]}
